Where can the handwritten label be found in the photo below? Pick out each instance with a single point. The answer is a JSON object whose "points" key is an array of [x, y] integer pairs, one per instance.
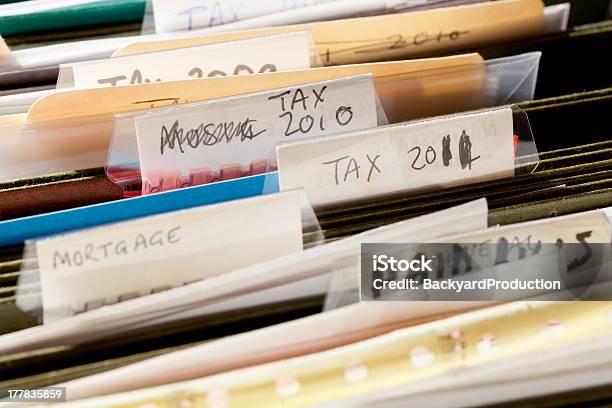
{"points": [[182, 15], [525, 240], [88, 269], [251, 56], [399, 35], [573, 252], [441, 152], [573, 229], [243, 130]]}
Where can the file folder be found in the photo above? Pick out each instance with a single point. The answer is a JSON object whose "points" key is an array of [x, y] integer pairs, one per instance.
{"points": [[31, 17], [527, 82]]}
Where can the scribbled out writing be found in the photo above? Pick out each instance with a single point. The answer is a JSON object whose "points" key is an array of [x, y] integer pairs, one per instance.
{"points": [[423, 156], [207, 134]]}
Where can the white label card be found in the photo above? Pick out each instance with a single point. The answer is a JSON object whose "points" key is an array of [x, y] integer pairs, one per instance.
{"points": [[112, 263], [183, 15], [519, 251], [591, 226], [441, 152], [245, 129], [257, 55]]}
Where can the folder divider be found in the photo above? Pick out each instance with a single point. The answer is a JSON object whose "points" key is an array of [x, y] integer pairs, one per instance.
{"points": [[405, 96], [66, 76], [30, 286], [308, 163], [526, 156], [63, 128], [188, 218], [223, 162]]}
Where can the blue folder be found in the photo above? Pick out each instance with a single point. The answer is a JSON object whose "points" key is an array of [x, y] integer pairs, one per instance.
{"points": [[16, 232]]}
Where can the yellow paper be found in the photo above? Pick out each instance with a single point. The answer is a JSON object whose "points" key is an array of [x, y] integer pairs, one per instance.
{"points": [[13, 119], [90, 102], [403, 357], [400, 35]]}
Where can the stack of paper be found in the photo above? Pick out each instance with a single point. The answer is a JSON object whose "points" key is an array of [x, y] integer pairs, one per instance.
{"points": [[329, 203]]}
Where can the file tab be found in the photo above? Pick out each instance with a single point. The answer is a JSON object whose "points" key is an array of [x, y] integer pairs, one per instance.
{"points": [[292, 51], [234, 137], [83, 270], [441, 152]]}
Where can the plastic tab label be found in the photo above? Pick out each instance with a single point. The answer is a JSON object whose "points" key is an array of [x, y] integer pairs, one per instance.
{"points": [[120, 261], [435, 153], [235, 137]]}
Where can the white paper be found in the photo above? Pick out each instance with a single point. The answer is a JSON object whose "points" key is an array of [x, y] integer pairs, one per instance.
{"points": [[333, 10], [90, 49], [39, 6], [269, 274], [592, 226], [441, 152], [323, 330], [21, 102], [106, 263], [183, 15], [245, 129], [283, 52], [524, 259]]}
